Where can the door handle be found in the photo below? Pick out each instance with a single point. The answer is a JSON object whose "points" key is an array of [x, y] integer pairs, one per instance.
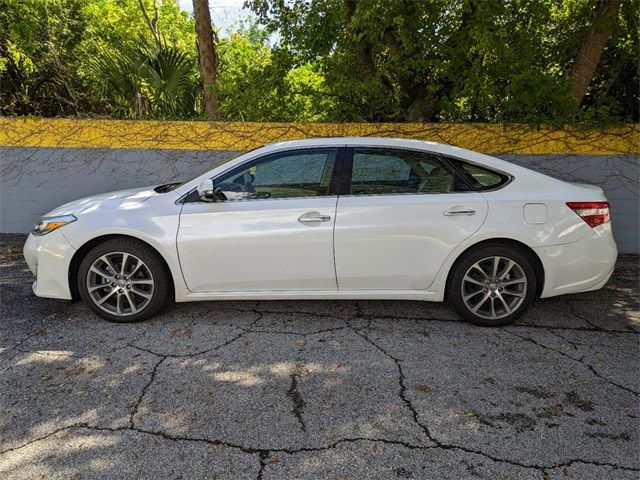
{"points": [[313, 218], [451, 213]]}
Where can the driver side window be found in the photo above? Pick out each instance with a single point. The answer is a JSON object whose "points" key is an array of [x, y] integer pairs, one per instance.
{"points": [[298, 173]]}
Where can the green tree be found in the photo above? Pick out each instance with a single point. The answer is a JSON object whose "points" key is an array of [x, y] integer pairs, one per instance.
{"points": [[328, 60], [38, 43], [255, 85], [48, 50], [458, 60]]}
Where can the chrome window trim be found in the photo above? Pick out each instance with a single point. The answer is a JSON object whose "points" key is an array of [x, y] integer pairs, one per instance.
{"points": [[510, 177], [260, 199]]}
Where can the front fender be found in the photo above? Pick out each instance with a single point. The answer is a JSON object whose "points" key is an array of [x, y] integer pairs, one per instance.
{"points": [[158, 231]]}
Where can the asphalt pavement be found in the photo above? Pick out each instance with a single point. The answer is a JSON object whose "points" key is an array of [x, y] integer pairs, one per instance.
{"points": [[319, 389]]}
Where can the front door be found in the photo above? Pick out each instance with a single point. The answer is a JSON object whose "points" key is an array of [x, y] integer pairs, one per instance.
{"points": [[273, 232]]}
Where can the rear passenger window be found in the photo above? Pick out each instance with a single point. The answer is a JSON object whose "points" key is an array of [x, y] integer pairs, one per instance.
{"points": [[382, 171], [480, 178]]}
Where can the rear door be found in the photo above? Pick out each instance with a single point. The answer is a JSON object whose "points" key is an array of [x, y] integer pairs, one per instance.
{"points": [[400, 215]]}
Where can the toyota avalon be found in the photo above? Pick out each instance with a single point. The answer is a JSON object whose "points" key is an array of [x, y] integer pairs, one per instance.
{"points": [[332, 218]]}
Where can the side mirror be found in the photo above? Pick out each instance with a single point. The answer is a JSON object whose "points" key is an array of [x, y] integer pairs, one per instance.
{"points": [[208, 193]]}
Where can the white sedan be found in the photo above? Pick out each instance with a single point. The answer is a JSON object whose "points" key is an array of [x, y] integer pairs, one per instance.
{"points": [[332, 218]]}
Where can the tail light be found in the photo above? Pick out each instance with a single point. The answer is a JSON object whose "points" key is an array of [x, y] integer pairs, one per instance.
{"points": [[594, 213]]}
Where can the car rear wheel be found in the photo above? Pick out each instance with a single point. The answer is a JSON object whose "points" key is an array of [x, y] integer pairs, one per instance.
{"points": [[493, 285], [123, 280]]}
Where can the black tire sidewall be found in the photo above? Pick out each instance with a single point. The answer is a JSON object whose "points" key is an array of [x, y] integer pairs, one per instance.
{"points": [[145, 253], [462, 266]]}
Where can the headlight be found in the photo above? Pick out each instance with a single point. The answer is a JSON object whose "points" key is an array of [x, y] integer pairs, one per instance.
{"points": [[49, 224]]}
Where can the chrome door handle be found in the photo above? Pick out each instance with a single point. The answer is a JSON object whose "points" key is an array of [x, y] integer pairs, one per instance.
{"points": [[313, 218], [450, 213]]}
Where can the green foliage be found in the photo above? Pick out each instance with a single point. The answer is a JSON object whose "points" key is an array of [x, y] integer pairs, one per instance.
{"points": [[254, 86], [321, 60], [38, 42], [49, 50], [531, 97], [458, 60], [141, 81]]}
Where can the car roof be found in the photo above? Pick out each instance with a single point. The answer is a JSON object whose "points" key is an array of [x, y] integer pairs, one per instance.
{"points": [[378, 142], [385, 142], [355, 141]]}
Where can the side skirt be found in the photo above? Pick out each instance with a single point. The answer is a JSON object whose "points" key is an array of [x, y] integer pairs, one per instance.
{"points": [[187, 296]]}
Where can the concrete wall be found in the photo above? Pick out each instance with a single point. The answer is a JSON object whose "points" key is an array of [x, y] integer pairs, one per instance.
{"points": [[43, 165]]}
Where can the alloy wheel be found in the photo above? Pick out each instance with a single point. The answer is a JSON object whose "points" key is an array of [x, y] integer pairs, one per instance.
{"points": [[494, 287], [119, 283]]}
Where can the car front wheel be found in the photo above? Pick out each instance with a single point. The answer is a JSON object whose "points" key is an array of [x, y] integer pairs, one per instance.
{"points": [[493, 285], [123, 280]]}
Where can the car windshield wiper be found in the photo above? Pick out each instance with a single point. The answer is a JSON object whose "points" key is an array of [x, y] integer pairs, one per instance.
{"points": [[167, 187]]}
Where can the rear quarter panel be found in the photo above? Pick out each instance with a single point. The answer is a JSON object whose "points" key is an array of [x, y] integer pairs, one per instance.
{"points": [[506, 219]]}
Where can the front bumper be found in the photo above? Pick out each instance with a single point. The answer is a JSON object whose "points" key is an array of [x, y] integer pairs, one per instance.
{"points": [[579, 266], [48, 257]]}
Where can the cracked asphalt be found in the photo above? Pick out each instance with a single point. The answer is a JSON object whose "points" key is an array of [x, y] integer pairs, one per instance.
{"points": [[319, 389]]}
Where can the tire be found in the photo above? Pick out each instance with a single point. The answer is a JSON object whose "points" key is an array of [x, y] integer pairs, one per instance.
{"points": [[489, 300], [134, 293]]}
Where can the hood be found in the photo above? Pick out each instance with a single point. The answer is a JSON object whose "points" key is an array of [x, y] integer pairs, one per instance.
{"points": [[105, 201]]}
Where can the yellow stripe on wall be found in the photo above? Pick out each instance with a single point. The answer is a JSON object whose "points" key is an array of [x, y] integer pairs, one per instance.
{"points": [[200, 135]]}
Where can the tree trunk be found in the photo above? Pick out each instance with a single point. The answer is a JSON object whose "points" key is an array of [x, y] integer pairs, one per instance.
{"points": [[208, 56], [584, 68], [152, 22], [363, 49], [378, 88]]}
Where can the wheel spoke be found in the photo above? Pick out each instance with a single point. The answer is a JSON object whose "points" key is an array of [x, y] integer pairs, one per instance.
{"points": [[123, 267], [109, 264], [471, 295], [496, 263], [135, 269], [467, 278], [137, 281], [132, 305], [477, 267], [480, 303], [97, 287], [141, 293], [493, 307], [106, 297], [514, 294], [515, 281], [505, 304], [507, 269], [119, 305], [97, 271]]}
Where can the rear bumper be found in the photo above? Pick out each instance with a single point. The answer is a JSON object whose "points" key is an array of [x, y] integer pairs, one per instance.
{"points": [[579, 266], [48, 257]]}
